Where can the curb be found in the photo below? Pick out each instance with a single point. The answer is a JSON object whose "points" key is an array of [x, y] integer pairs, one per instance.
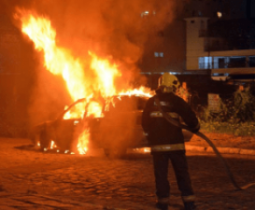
{"points": [[223, 150]]}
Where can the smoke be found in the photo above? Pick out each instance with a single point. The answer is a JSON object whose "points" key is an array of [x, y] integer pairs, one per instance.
{"points": [[116, 29], [107, 27]]}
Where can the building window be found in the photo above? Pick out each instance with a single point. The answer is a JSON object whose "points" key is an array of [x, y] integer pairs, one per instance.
{"points": [[205, 62], [220, 62], [252, 61], [230, 62], [236, 62], [159, 54], [145, 13]]}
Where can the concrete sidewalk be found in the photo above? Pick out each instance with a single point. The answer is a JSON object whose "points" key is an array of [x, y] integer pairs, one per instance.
{"points": [[225, 143]]}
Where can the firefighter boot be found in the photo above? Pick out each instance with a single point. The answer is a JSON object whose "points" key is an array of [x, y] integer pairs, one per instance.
{"points": [[189, 206], [162, 203], [162, 206]]}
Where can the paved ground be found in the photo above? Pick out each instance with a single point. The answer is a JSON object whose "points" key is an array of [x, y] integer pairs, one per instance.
{"points": [[33, 180]]}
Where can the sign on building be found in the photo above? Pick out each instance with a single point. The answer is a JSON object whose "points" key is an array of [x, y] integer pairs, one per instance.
{"points": [[214, 102]]}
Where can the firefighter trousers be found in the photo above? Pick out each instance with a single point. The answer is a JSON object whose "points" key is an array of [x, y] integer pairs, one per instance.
{"points": [[180, 166]]}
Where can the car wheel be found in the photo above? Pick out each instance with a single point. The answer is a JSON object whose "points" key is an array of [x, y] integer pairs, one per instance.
{"points": [[44, 139]]}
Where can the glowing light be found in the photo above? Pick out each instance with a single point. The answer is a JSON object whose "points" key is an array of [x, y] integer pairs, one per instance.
{"points": [[52, 144]]}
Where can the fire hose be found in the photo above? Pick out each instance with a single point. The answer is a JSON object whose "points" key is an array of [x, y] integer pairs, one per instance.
{"points": [[204, 137]]}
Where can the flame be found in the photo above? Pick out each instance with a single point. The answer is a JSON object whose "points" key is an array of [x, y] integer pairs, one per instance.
{"points": [[75, 113], [57, 60], [52, 144], [106, 73], [83, 141], [60, 61], [94, 109], [142, 91]]}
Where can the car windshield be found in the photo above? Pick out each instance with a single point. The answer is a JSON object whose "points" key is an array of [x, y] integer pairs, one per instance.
{"points": [[75, 110]]}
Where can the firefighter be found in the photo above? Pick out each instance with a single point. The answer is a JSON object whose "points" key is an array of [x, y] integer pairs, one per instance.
{"points": [[167, 141]]}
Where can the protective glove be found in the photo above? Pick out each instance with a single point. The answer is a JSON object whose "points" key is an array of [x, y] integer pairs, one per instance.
{"points": [[195, 129]]}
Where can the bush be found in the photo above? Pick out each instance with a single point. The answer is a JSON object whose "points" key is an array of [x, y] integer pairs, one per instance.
{"points": [[236, 115], [241, 129]]}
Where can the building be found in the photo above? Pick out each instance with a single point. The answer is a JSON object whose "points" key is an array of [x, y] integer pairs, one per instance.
{"points": [[171, 50], [226, 47], [224, 9], [220, 37]]}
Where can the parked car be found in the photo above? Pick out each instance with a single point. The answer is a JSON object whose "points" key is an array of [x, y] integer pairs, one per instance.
{"points": [[117, 129]]}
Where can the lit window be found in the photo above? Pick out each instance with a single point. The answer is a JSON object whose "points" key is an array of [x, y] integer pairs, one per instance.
{"points": [[205, 62], [219, 14], [145, 13], [156, 54], [161, 54]]}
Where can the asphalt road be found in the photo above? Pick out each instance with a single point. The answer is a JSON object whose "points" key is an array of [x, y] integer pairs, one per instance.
{"points": [[33, 180]]}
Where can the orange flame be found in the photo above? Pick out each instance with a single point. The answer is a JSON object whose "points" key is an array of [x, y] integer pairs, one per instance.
{"points": [[106, 74], [142, 91], [83, 141], [94, 109], [57, 60], [60, 61]]}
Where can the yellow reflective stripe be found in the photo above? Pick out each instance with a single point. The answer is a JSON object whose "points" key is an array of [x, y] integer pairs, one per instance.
{"points": [[189, 198], [167, 147], [163, 103], [159, 114], [173, 114], [156, 114]]}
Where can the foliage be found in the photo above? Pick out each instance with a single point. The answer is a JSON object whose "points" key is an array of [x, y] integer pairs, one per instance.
{"points": [[236, 115], [241, 129]]}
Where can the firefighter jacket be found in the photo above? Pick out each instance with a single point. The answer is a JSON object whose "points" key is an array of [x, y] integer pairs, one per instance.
{"points": [[161, 132]]}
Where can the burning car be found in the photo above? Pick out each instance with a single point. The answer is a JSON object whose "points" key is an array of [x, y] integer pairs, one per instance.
{"points": [[116, 129], [120, 127]]}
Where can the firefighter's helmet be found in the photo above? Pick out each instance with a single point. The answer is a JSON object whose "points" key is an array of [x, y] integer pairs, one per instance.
{"points": [[168, 82]]}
